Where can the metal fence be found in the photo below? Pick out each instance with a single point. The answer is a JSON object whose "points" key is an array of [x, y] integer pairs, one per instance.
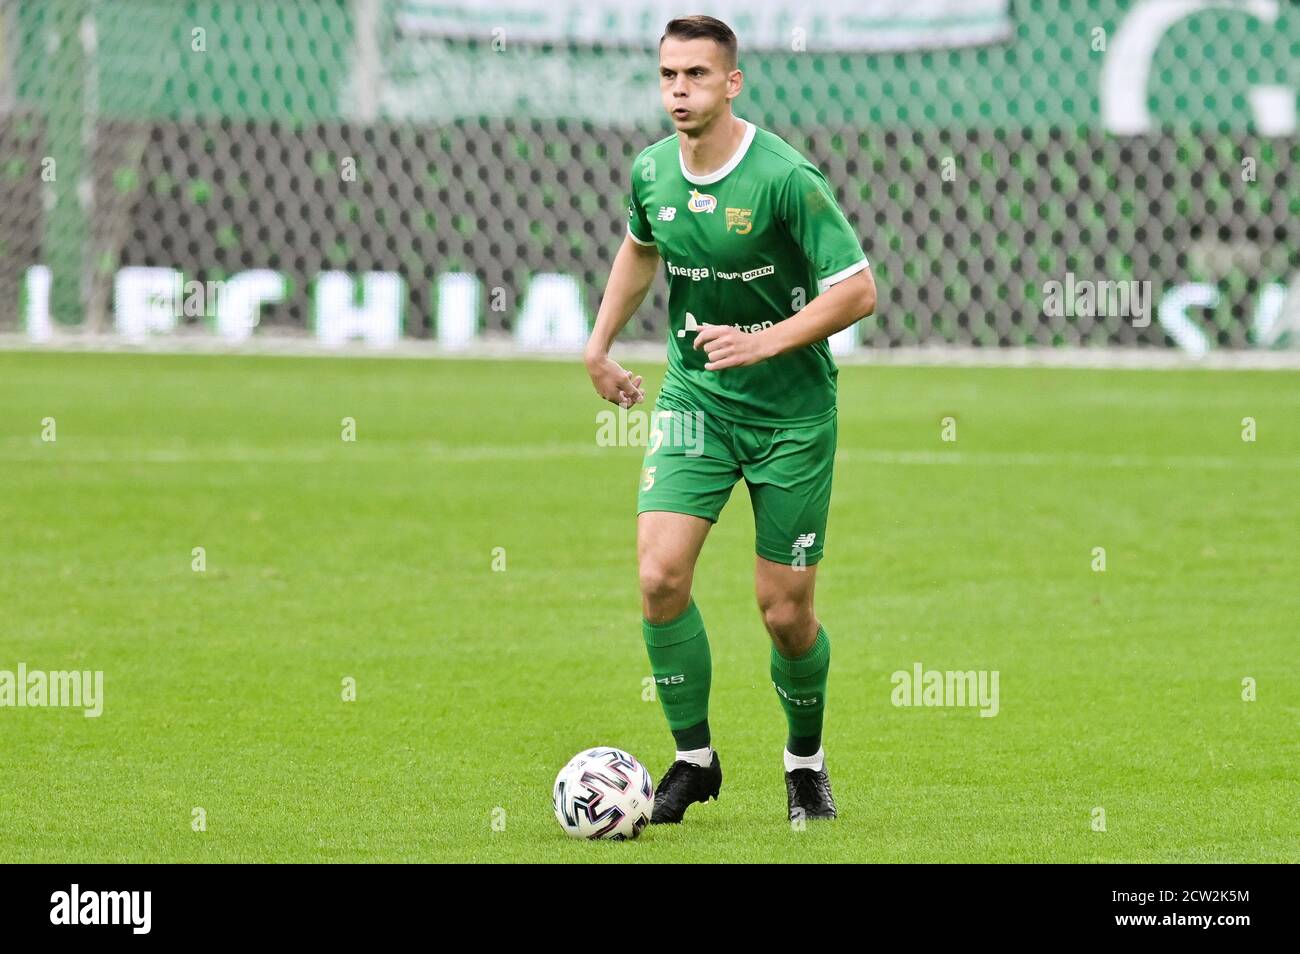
{"points": [[347, 168]]}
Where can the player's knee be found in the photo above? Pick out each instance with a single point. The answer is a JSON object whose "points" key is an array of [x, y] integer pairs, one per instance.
{"points": [[786, 619], [661, 582]]}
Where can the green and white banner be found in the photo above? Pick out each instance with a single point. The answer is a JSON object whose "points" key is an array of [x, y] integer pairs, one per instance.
{"points": [[760, 24]]}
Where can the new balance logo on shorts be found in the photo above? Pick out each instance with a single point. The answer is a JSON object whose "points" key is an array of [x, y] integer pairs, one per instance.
{"points": [[804, 540]]}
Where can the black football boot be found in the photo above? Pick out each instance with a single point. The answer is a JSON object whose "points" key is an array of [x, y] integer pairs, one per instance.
{"points": [[808, 793], [683, 784]]}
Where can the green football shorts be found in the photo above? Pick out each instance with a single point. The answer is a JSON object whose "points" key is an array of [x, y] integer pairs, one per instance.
{"points": [[693, 460]]}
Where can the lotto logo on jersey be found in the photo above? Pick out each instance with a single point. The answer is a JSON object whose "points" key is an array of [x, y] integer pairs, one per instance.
{"points": [[702, 202]]}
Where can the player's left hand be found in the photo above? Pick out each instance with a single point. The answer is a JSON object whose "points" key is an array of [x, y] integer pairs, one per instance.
{"points": [[728, 347]]}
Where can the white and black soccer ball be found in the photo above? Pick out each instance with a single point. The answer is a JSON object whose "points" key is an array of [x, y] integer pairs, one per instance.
{"points": [[603, 793]]}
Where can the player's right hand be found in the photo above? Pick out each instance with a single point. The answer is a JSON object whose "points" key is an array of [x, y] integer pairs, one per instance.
{"points": [[615, 383]]}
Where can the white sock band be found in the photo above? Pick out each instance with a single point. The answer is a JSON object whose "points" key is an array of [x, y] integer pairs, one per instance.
{"points": [[702, 756], [815, 761]]}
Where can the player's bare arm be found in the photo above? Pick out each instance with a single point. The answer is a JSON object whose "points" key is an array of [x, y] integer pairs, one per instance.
{"points": [[630, 279], [834, 310]]}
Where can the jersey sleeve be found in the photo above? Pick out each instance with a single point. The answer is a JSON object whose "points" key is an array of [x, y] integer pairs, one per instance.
{"points": [[638, 224], [814, 220]]}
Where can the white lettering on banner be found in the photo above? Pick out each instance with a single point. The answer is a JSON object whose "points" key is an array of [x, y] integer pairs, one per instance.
{"points": [[147, 302], [552, 315], [377, 319], [239, 309], [37, 313], [144, 301]]}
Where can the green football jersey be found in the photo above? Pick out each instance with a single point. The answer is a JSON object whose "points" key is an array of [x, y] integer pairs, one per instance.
{"points": [[746, 245]]}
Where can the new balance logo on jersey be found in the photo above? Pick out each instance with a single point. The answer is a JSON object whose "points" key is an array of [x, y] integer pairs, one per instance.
{"points": [[667, 213], [804, 540]]}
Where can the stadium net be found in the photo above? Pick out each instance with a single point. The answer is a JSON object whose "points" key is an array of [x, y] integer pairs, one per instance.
{"points": [[1040, 174]]}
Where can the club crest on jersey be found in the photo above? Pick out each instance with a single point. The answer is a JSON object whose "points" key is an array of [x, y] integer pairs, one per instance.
{"points": [[702, 202], [740, 219]]}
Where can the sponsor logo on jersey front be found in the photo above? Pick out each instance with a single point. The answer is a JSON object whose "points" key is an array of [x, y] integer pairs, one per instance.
{"points": [[740, 218], [667, 213], [692, 325], [749, 275], [702, 202], [698, 274], [694, 274]]}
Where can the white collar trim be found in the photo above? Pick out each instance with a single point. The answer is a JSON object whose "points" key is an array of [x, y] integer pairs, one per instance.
{"points": [[727, 166]]}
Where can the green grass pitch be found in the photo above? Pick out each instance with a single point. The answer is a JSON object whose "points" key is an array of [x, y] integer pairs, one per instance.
{"points": [[327, 559]]}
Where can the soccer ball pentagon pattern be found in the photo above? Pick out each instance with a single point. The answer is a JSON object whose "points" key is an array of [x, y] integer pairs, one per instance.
{"points": [[603, 793]]}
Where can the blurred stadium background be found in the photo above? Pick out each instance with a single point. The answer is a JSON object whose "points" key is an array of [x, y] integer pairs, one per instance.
{"points": [[456, 173]]}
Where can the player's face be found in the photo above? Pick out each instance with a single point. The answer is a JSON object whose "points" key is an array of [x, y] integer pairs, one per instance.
{"points": [[695, 82]]}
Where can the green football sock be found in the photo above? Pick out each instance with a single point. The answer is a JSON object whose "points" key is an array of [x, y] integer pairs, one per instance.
{"points": [[683, 669], [801, 685]]}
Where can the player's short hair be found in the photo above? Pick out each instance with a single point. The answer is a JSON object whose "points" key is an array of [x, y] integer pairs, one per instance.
{"points": [[701, 27]]}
